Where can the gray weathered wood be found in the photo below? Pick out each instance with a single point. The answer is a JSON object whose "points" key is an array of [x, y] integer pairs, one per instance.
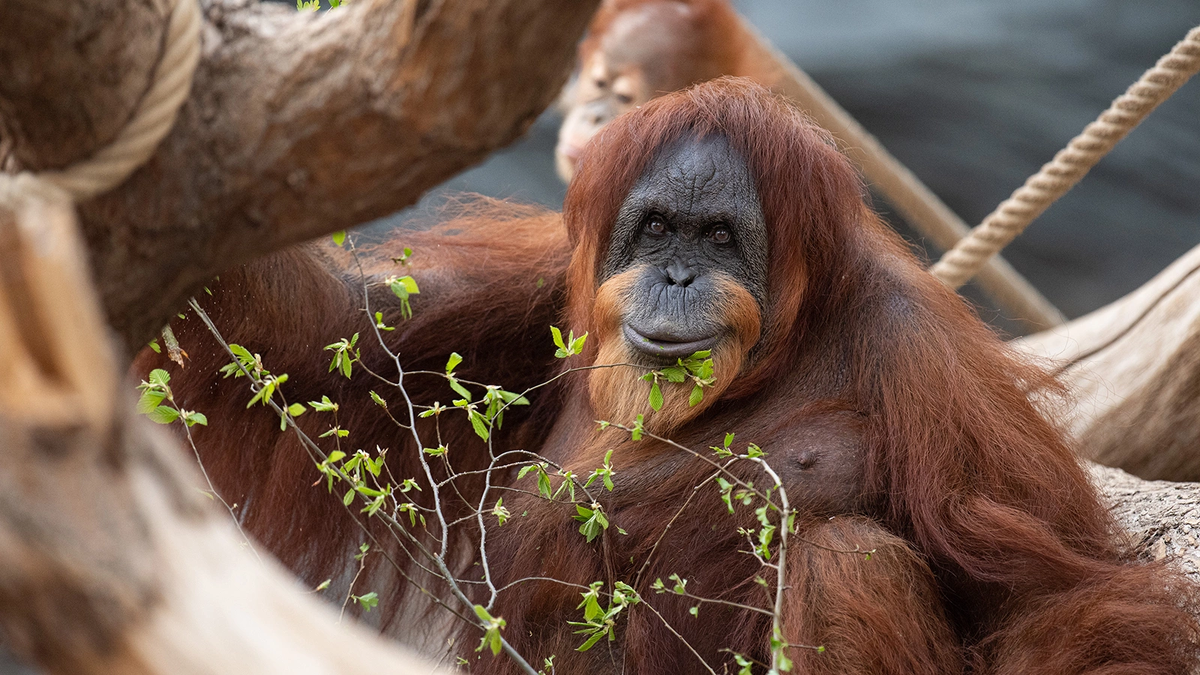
{"points": [[1162, 518]]}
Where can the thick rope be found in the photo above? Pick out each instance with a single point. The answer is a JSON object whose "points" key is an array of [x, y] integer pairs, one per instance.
{"points": [[1071, 164], [156, 113], [915, 202]]}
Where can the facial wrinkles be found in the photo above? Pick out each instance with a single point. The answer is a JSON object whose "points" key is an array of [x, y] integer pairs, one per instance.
{"points": [[698, 186], [691, 185]]}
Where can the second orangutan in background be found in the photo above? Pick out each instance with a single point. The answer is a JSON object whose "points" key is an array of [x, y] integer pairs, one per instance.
{"points": [[636, 50]]}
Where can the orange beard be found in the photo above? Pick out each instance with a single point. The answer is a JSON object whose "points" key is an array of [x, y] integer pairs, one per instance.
{"points": [[619, 394]]}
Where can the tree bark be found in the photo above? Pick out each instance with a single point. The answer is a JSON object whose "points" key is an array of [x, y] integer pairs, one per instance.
{"points": [[1162, 519], [299, 124], [1133, 370]]}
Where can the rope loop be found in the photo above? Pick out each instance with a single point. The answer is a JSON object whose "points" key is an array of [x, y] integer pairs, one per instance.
{"points": [[155, 116]]}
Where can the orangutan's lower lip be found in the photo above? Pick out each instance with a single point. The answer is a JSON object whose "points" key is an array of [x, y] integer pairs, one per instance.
{"points": [[657, 346]]}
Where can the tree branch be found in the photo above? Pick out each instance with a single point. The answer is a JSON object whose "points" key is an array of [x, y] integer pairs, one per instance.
{"points": [[1133, 369], [299, 124]]}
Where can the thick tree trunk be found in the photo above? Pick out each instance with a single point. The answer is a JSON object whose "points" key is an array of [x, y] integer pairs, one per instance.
{"points": [[299, 124], [1133, 369]]}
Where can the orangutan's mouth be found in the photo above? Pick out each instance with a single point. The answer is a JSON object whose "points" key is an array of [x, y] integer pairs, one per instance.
{"points": [[665, 344]]}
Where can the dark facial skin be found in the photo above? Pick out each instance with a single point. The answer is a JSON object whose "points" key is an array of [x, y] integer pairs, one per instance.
{"points": [[693, 213]]}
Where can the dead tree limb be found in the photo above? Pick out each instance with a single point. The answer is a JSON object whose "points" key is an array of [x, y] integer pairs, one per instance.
{"points": [[1133, 368], [299, 124]]}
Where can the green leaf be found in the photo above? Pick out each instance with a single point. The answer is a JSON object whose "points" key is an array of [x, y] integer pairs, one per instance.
{"points": [[544, 483], [696, 396], [163, 415], [491, 628], [577, 343], [368, 600], [558, 339], [378, 400], [410, 284], [501, 512], [149, 400], [459, 389], [512, 398], [455, 359], [349, 497], [380, 324], [591, 641], [159, 377], [338, 237], [324, 405], [153, 344], [296, 409], [594, 521], [478, 424], [193, 418], [675, 374], [656, 397], [591, 603]]}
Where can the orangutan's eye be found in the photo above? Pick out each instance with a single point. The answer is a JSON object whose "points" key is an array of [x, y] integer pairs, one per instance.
{"points": [[656, 226], [720, 235]]}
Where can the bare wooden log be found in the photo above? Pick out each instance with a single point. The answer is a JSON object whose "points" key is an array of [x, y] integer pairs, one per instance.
{"points": [[111, 561], [1133, 368], [299, 124]]}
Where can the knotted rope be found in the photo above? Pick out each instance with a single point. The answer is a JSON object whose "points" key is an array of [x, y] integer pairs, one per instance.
{"points": [[1071, 164], [40, 243], [155, 115]]}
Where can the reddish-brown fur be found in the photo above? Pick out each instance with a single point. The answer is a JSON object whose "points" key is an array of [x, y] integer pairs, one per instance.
{"points": [[879, 398], [288, 306], [714, 36]]}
